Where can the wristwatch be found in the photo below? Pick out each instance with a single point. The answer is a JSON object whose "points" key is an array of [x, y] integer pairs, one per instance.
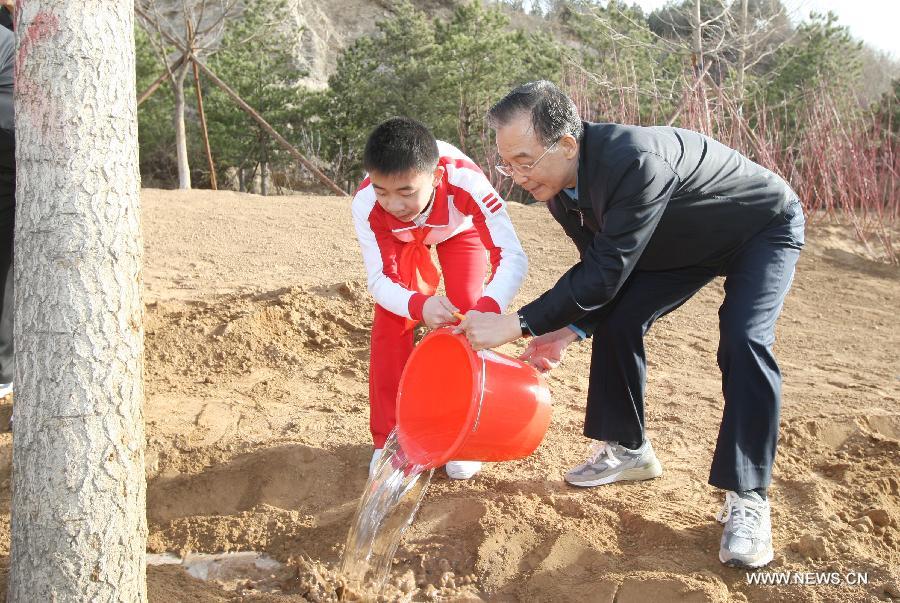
{"points": [[523, 324]]}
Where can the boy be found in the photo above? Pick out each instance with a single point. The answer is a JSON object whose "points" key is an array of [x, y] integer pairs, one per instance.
{"points": [[421, 193]]}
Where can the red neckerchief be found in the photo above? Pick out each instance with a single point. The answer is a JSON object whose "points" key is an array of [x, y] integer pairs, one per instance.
{"points": [[416, 268]]}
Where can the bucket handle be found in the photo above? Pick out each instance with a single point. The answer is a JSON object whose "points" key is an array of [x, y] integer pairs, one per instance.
{"points": [[481, 394]]}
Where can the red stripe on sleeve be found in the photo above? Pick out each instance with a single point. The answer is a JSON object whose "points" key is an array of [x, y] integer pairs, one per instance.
{"points": [[461, 162], [364, 184]]}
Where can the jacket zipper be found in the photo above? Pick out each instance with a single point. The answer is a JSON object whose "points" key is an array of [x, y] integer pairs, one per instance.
{"points": [[580, 216]]}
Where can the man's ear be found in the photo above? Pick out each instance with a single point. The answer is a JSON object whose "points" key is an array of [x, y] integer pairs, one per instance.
{"points": [[438, 176], [569, 146]]}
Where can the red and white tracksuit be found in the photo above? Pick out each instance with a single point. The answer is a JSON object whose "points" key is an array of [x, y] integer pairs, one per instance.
{"points": [[466, 217]]}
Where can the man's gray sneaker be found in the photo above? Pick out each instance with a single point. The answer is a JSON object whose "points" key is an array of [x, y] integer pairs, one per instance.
{"points": [[747, 537], [611, 462]]}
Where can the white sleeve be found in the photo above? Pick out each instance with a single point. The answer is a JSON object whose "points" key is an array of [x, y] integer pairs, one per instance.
{"points": [[388, 293]]}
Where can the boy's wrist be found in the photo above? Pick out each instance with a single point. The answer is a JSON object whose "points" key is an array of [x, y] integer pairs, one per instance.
{"points": [[487, 304], [416, 305]]}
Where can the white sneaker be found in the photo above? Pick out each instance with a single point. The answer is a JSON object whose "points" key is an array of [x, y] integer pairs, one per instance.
{"points": [[6, 389], [462, 469], [376, 455], [747, 537], [611, 462]]}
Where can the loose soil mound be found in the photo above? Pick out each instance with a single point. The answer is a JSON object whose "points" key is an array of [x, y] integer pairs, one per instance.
{"points": [[257, 326]]}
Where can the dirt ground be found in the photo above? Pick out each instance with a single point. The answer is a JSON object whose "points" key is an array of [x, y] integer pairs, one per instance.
{"points": [[257, 324]]}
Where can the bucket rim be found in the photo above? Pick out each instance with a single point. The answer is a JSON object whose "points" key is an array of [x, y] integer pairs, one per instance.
{"points": [[476, 368]]}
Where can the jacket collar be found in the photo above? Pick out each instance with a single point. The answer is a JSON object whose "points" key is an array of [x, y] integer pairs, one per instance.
{"points": [[584, 180], [584, 200], [440, 213]]}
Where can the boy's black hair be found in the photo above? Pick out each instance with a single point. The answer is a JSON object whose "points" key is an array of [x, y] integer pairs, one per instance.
{"points": [[401, 144]]}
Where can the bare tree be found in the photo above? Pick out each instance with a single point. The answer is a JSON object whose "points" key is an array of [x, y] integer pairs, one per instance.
{"points": [[197, 26], [78, 510], [734, 35], [266, 127], [724, 39]]}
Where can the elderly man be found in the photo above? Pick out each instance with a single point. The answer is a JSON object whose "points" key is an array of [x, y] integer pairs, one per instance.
{"points": [[656, 214]]}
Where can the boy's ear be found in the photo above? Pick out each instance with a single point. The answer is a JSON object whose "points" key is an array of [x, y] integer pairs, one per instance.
{"points": [[438, 175]]}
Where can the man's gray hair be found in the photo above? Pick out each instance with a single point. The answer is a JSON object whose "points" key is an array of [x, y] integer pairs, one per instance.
{"points": [[553, 114]]}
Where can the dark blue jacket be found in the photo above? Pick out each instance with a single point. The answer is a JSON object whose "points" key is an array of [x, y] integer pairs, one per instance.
{"points": [[656, 198]]}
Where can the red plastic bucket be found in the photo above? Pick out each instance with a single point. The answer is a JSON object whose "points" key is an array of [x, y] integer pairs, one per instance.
{"points": [[458, 404]]}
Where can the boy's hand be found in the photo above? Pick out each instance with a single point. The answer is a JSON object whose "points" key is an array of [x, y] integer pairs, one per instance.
{"points": [[438, 311], [545, 352]]}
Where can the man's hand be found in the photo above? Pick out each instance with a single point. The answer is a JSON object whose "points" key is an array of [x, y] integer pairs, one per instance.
{"points": [[488, 330], [545, 352], [438, 311]]}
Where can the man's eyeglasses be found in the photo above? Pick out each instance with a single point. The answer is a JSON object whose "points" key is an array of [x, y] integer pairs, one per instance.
{"points": [[508, 169]]}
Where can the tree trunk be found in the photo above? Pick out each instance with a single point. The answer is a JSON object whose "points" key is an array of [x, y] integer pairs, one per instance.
{"points": [[462, 125], [742, 55], [700, 70], [78, 509], [697, 39], [255, 187], [181, 154], [264, 179]]}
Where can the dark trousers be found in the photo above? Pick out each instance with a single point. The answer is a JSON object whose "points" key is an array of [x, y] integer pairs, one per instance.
{"points": [[757, 279], [7, 228]]}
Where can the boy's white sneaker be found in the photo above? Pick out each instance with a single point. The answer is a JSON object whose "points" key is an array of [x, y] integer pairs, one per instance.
{"points": [[376, 456], [462, 469]]}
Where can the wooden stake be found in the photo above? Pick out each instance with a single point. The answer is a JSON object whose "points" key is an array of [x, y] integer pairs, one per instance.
{"points": [[155, 85], [265, 126], [209, 158]]}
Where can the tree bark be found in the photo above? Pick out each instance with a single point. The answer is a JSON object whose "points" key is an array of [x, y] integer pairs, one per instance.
{"points": [[78, 509]]}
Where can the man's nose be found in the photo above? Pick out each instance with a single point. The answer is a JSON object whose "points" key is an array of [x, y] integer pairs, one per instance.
{"points": [[518, 178]]}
